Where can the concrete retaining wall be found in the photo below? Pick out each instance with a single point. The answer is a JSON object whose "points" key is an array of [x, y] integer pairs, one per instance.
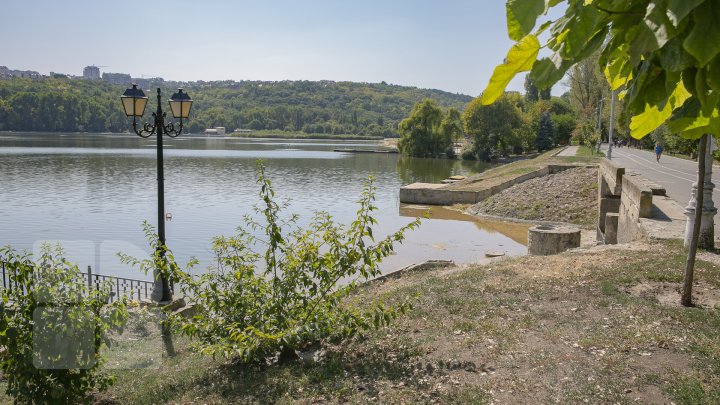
{"points": [[444, 194], [635, 203]]}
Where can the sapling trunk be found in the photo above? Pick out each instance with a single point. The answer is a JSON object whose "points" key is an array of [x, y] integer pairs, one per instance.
{"points": [[686, 299]]}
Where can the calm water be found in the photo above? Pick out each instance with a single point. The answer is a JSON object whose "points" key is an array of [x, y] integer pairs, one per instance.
{"points": [[92, 192]]}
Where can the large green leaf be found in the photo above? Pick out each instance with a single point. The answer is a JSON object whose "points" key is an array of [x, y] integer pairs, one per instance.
{"points": [[521, 16], [618, 72], [703, 41], [713, 74], [673, 57], [657, 20], [545, 73], [521, 58], [655, 115], [642, 41], [677, 10], [581, 30], [690, 122]]}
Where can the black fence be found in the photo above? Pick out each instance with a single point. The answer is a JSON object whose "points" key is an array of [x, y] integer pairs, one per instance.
{"points": [[133, 289]]}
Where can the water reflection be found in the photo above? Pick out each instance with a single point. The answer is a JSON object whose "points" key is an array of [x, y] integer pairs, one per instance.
{"points": [[515, 231], [100, 188], [423, 170]]}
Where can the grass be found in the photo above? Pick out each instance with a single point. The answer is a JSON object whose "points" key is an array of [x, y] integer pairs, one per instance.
{"points": [[586, 151], [559, 329]]}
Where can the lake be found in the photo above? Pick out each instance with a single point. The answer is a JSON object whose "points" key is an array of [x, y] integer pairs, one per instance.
{"points": [[92, 192]]}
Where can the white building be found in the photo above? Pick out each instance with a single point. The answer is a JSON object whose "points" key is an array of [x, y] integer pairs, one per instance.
{"points": [[91, 72]]}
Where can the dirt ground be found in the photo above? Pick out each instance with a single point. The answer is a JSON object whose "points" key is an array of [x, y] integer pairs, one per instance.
{"points": [[568, 196]]}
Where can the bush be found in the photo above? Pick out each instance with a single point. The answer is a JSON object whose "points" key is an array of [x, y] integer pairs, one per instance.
{"points": [[450, 153], [52, 329], [468, 154], [251, 306]]}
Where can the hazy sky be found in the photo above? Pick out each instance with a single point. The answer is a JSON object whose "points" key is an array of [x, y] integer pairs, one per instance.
{"points": [[450, 45]]}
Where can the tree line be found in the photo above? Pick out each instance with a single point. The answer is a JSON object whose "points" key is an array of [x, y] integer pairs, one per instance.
{"points": [[320, 107], [515, 124]]}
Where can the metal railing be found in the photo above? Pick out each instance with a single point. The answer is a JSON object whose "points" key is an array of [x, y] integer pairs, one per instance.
{"points": [[134, 289]]}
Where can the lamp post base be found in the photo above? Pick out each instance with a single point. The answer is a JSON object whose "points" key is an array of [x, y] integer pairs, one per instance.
{"points": [[161, 292], [706, 239]]}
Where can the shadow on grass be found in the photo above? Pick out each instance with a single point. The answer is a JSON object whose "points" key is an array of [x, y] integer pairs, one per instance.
{"points": [[338, 375]]}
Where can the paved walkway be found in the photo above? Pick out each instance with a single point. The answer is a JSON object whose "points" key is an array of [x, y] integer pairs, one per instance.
{"points": [[675, 174], [568, 151]]}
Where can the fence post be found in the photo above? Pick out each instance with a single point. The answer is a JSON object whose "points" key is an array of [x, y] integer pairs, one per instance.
{"points": [[89, 278]]}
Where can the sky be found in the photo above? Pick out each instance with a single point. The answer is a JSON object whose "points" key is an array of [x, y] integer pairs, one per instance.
{"points": [[451, 45]]}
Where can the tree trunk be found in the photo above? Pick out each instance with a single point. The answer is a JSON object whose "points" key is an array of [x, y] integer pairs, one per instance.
{"points": [[686, 299]]}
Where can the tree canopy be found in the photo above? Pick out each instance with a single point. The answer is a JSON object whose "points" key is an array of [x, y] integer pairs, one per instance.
{"points": [[321, 107], [662, 55], [428, 131], [493, 127]]}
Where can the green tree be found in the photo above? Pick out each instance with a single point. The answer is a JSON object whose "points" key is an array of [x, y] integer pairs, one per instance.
{"points": [[493, 127], [452, 130], [664, 55], [564, 125], [532, 94], [545, 134], [423, 134]]}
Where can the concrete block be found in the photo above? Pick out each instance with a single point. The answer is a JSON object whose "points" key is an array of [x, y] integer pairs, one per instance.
{"points": [[435, 194], [613, 175], [608, 204], [611, 228], [634, 189]]}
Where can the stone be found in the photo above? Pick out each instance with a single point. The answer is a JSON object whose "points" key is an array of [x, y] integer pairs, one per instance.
{"points": [[174, 304], [493, 253], [611, 228], [545, 240], [186, 312], [606, 205]]}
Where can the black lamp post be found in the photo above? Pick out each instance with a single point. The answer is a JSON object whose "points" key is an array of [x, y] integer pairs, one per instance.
{"points": [[134, 102]]}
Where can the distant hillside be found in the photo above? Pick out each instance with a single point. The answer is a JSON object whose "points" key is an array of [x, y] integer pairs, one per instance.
{"points": [[324, 107]]}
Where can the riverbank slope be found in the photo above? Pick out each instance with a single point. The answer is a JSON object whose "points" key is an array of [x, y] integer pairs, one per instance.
{"points": [[599, 325]]}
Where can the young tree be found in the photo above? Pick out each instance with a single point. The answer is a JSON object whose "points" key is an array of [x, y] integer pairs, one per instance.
{"points": [[545, 133], [663, 54], [532, 93]]}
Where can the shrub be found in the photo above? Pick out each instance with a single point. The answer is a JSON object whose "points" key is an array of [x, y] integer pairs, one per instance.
{"points": [[468, 154], [52, 329], [450, 153], [251, 306]]}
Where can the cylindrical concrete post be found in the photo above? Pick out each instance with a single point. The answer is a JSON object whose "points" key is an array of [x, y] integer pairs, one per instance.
{"points": [[545, 240]]}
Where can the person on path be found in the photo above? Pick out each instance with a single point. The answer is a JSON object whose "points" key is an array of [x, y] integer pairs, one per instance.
{"points": [[658, 151]]}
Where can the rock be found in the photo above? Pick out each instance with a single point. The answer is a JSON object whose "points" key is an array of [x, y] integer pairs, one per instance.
{"points": [[186, 312], [174, 304], [493, 253]]}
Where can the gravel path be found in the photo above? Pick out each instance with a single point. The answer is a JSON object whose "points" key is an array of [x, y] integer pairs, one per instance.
{"points": [[567, 196]]}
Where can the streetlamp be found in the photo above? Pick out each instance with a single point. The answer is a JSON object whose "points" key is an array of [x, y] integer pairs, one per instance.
{"points": [[134, 101]]}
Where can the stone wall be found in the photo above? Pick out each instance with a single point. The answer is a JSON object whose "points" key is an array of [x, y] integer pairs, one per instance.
{"points": [[609, 194], [635, 203], [624, 200], [449, 194]]}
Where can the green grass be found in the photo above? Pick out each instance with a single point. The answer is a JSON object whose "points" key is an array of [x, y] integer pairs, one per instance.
{"points": [[586, 151]]}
